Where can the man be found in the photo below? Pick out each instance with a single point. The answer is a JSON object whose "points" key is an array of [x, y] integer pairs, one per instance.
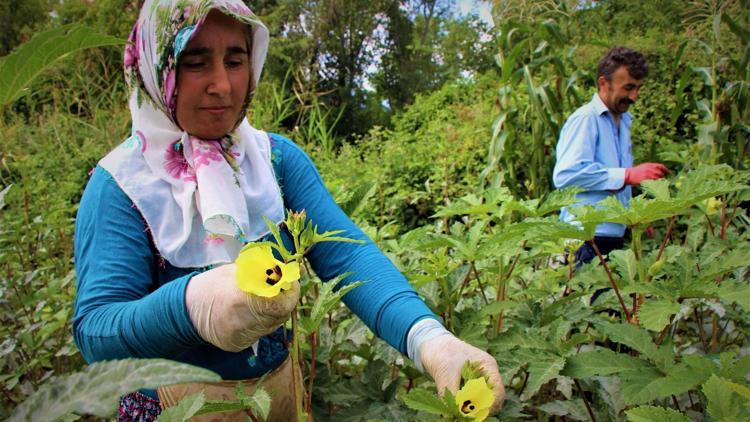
{"points": [[594, 150]]}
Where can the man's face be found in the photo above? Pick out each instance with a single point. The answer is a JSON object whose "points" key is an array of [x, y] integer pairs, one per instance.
{"points": [[619, 92], [213, 78]]}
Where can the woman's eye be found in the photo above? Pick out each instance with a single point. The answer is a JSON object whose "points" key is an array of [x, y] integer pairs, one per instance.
{"points": [[193, 65], [234, 63]]}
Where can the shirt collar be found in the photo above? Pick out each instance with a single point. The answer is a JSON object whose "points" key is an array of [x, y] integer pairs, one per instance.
{"points": [[601, 108]]}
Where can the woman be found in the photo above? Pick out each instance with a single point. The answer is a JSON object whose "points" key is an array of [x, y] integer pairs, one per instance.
{"points": [[165, 214]]}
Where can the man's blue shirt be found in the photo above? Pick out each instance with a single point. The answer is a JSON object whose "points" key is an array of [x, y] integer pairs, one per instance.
{"points": [[593, 153]]}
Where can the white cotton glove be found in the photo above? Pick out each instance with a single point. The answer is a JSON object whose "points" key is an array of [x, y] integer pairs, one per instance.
{"points": [[443, 358], [229, 318]]}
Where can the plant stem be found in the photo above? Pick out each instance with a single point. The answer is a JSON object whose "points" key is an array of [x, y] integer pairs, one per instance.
{"points": [[585, 400], [313, 347], [500, 294], [642, 276], [676, 405], [611, 280], [714, 333], [701, 331], [723, 231], [479, 281], [710, 225], [298, 384], [666, 238]]}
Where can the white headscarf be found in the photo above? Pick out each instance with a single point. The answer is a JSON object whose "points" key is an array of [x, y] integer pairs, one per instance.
{"points": [[201, 199]]}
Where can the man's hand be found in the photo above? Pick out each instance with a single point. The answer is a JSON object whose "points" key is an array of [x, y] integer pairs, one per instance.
{"points": [[443, 358], [646, 171], [229, 318]]}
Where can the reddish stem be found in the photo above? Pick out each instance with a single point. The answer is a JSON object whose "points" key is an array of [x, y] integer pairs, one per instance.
{"points": [[313, 347], [611, 280]]}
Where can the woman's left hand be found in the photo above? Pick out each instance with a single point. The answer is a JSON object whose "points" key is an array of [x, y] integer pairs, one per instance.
{"points": [[443, 358]]}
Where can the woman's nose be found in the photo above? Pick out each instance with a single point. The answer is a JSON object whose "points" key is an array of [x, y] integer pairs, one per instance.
{"points": [[219, 84]]}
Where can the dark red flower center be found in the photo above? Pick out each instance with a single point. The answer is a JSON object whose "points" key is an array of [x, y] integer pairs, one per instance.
{"points": [[273, 275], [468, 407]]}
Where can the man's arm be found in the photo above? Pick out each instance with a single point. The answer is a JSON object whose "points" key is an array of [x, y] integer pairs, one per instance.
{"points": [[576, 158]]}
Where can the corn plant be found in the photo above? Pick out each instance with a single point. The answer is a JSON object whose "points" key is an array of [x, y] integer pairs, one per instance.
{"points": [[538, 88]]}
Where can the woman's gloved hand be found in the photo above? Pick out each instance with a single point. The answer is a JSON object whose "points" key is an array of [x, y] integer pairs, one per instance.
{"points": [[443, 358], [229, 318]]}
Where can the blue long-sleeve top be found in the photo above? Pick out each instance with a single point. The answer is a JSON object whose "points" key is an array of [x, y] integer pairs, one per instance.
{"points": [[131, 303], [593, 153]]}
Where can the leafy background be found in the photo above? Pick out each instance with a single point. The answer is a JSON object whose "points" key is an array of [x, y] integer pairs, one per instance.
{"points": [[436, 132]]}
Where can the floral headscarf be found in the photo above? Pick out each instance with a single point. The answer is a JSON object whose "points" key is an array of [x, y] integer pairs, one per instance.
{"points": [[201, 199]]}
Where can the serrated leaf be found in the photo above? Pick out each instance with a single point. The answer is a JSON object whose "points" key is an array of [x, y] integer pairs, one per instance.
{"points": [[470, 371], [742, 391], [625, 263], [723, 404], [20, 67], [632, 336], [603, 362], [329, 295], [739, 369], [611, 393], [573, 409], [542, 371], [260, 402], [659, 189], [655, 414], [425, 401], [97, 389], [654, 314], [730, 261], [184, 409], [279, 243], [495, 308], [643, 387], [557, 199], [734, 292]]}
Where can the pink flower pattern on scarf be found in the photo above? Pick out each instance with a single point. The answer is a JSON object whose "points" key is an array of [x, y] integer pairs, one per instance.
{"points": [[205, 152], [176, 165]]}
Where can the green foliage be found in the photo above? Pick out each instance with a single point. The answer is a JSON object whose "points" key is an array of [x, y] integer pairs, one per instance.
{"points": [[19, 68], [20, 19], [259, 403], [538, 89], [97, 389], [653, 413], [329, 296], [425, 401], [184, 410], [484, 248], [723, 403]]}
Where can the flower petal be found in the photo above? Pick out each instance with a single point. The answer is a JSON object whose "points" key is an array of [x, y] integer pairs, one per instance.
{"points": [[252, 271], [479, 395]]}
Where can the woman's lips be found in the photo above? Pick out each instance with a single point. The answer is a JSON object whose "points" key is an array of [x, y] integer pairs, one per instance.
{"points": [[216, 111]]}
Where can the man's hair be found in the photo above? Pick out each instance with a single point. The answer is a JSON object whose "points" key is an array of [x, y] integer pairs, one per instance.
{"points": [[633, 61]]}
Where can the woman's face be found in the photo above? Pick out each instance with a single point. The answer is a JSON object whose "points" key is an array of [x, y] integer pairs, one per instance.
{"points": [[213, 76]]}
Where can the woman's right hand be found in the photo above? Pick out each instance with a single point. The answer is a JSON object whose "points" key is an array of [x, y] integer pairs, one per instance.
{"points": [[229, 318]]}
